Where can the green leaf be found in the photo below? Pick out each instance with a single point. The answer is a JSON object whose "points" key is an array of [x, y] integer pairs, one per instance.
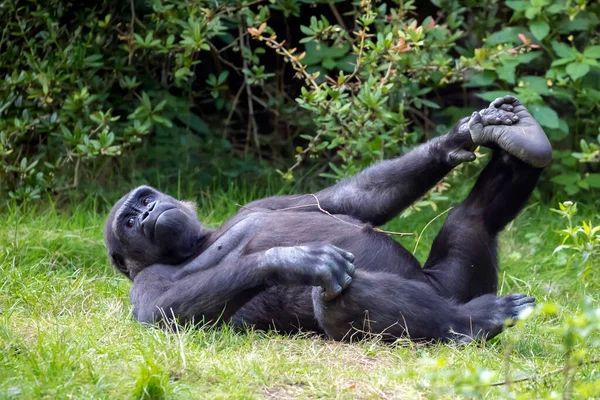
{"points": [[593, 180], [491, 96], [583, 21], [518, 5], [536, 83], [545, 116], [306, 30], [563, 50], [506, 72], [222, 77], [555, 8], [430, 104], [539, 29], [592, 52], [570, 178], [506, 35], [531, 13], [527, 57], [484, 78], [561, 61], [576, 70]]}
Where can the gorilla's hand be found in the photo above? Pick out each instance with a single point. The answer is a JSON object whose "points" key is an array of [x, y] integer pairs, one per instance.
{"points": [[314, 264], [525, 139], [458, 145]]}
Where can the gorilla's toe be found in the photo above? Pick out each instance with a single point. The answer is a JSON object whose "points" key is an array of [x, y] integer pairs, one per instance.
{"points": [[507, 124]]}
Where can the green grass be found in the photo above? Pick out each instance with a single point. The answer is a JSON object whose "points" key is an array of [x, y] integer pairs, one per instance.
{"points": [[66, 329]]}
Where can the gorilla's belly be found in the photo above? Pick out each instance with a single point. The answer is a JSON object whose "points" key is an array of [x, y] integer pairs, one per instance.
{"points": [[297, 228]]}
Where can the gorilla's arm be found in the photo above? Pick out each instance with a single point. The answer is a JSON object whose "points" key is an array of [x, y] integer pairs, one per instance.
{"points": [[217, 293], [383, 190], [209, 295]]}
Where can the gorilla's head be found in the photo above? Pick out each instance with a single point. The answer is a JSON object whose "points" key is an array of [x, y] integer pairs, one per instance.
{"points": [[147, 227]]}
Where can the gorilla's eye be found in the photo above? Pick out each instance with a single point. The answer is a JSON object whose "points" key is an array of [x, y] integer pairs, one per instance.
{"points": [[130, 222], [146, 201]]}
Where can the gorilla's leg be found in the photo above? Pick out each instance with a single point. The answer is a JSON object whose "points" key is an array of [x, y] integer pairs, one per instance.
{"points": [[388, 305], [463, 263]]}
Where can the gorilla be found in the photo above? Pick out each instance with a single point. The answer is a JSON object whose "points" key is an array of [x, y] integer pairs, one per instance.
{"points": [[316, 262]]}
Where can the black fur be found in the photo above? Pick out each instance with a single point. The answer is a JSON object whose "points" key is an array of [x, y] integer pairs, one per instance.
{"points": [[283, 262]]}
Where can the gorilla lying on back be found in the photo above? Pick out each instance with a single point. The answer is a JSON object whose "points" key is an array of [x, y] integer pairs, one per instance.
{"points": [[283, 262]]}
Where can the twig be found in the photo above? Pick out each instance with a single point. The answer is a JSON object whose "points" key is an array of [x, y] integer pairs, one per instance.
{"points": [[318, 205], [75, 183], [233, 107], [534, 377], [265, 105], [361, 47], [233, 42], [252, 127], [338, 16], [426, 226], [385, 77], [131, 32], [224, 61]]}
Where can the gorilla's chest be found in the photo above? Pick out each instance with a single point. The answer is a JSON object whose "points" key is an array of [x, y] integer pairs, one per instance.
{"points": [[289, 228]]}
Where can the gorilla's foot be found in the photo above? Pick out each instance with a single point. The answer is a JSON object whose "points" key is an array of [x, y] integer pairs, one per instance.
{"points": [[507, 124], [488, 315]]}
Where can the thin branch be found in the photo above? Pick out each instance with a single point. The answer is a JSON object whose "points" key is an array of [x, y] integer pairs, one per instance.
{"points": [[540, 376], [252, 127], [338, 16], [131, 32], [233, 43], [426, 226], [318, 205], [75, 183], [385, 77], [265, 105], [216, 52], [233, 108], [363, 35]]}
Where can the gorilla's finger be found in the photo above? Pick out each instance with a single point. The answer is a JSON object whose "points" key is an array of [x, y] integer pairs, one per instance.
{"points": [[506, 107], [341, 271], [498, 101], [331, 292], [475, 119], [511, 99], [347, 281], [527, 300], [350, 269], [494, 116], [462, 155], [347, 255], [508, 99]]}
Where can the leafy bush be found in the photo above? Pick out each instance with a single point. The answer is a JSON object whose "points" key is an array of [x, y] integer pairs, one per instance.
{"points": [[582, 241], [84, 84]]}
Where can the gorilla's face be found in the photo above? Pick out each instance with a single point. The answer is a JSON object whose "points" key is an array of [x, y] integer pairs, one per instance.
{"points": [[148, 227]]}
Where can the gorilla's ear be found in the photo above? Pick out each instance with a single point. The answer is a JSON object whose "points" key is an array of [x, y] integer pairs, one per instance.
{"points": [[119, 262]]}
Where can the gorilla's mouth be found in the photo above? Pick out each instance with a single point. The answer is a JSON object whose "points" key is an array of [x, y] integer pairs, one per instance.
{"points": [[152, 230]]}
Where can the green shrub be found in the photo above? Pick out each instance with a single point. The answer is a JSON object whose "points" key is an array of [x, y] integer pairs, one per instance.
{"points": [[83, 85]]}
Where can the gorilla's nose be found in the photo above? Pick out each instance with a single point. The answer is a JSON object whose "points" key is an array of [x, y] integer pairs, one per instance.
{"points": [[148, 210]]}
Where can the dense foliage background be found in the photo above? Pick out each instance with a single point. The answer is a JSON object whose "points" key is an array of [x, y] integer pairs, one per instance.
{"points": [[95, 94]]}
